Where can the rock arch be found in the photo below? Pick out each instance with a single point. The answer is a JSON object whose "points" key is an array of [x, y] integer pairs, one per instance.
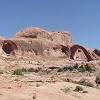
{"points": [[9, 47], [82, 53]]}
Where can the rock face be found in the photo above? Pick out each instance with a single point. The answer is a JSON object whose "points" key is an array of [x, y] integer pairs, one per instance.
{"points": [[63, 38], [1, 40], [36, 41], [42, 42], [97, 52], [31, 33]]}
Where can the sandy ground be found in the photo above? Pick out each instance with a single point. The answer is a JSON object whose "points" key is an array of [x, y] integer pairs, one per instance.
{"points": [[26, 88], [41, 86]]}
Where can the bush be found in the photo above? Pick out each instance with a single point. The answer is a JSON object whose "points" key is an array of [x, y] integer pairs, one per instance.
{"points": [[97, 79], [33, 70], [70, 68], [66, 89], [81, 69], [59, 70], [85, 82], [18, 72], [65, 69], [89, 68], [78, 88], [76, 66], [24, 70]]}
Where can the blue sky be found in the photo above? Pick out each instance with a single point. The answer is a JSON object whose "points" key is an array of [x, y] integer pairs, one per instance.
{"points": [[80, 17]]}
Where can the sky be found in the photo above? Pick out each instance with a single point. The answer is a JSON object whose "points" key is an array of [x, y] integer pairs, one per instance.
{"points": [[80, 17]]}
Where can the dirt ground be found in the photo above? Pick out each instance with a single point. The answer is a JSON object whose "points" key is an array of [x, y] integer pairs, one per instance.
{"points": [[43, 85], [31, 88]]}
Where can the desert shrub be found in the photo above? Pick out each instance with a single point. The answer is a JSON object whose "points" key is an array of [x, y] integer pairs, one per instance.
{"points": [[76, 66], [89, 68], [66, 89], [70, 68], [33, 70], [81, 69], [24, 70], [65, 69], [59, 70], [97, 79], [78, 88], [85, 82], [84, 68], [18, 72]]}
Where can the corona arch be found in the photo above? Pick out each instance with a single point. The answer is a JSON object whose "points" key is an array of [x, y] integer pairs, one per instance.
{"points": [[78, 48]]}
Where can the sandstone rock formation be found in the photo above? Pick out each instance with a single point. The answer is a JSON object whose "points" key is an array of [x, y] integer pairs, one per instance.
{"points": [[80, 53], [36, 41], [97, 52], [63, 38]]}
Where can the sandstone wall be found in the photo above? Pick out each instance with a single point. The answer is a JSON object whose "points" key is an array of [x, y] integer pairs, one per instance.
{"points": [[63, 38]]}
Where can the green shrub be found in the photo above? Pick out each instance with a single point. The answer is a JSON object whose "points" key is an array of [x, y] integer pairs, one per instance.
{"points": [[76, 67], [89, 68], [81, 69], [97, 79], [18, 72], [65, 69], [78, 88], [70, 68]]}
